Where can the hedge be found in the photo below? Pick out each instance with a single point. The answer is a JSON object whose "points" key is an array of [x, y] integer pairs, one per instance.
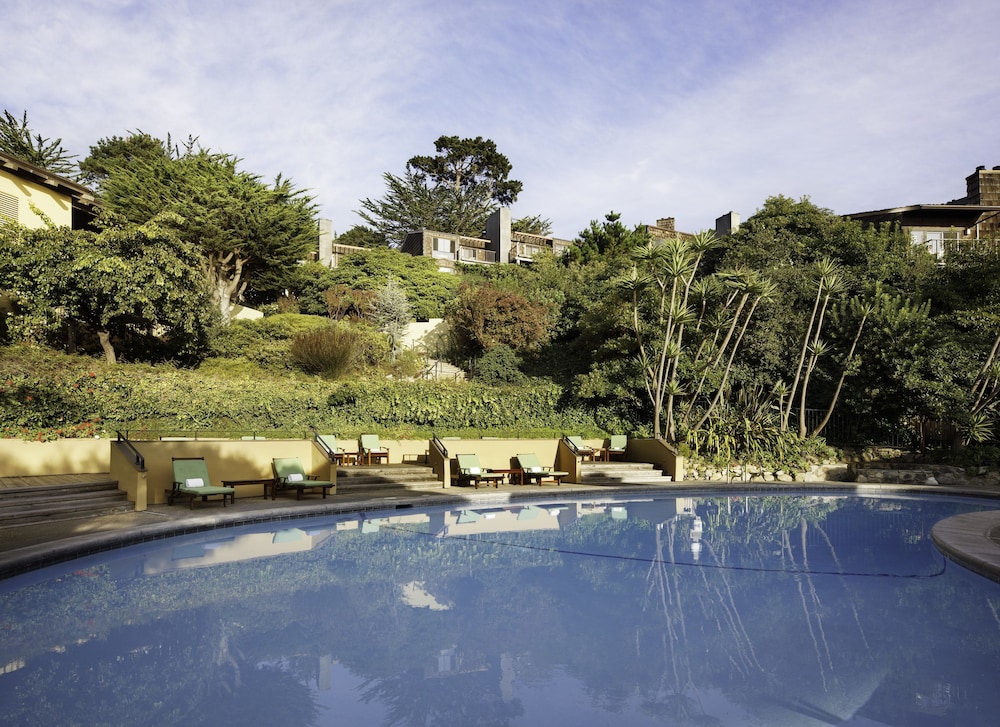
{"points": [[49, 401]]}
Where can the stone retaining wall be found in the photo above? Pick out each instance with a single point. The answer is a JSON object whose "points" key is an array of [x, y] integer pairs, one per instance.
{"points": [[862, 472], [827, 472]]}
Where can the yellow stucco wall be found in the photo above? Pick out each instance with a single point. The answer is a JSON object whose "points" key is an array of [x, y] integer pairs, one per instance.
{"points": [[226, 459], [58, 207], [19, 458], [229, 459]]}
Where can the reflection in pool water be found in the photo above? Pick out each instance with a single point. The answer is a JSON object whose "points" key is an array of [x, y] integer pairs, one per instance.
{"points": [[740, 610]]}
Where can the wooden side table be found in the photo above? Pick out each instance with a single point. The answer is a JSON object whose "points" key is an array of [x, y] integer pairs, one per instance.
{"points": [[265, 481], [519, 473], [346, 458]]}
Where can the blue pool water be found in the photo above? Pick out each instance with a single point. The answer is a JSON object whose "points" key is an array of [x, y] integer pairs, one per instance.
{"points": [[750, 609]]}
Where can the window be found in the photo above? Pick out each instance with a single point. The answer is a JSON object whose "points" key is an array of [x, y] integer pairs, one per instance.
{"points": [[443, 248], [8, 206], [443, 244], [936, 241]]}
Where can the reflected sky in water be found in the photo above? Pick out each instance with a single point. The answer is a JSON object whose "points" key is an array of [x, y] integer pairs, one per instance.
{"points": [[749, 609]]}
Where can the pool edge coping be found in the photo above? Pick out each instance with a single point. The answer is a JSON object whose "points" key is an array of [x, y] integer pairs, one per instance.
{"points": [[963, 541]]}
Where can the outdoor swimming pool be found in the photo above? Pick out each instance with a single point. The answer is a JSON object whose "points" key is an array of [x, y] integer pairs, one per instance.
{"points": [[750, 609]]}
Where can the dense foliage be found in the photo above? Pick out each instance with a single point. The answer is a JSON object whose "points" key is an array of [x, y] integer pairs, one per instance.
{"points": [[137, 289], [250, 234], [427, 290], [46, 395], [800, 324]]}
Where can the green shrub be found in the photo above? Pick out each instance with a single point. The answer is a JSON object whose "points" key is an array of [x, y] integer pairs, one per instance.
{"points": [[408, 364], [330, 352], [498, 366], [239, 338], [264, 341]]}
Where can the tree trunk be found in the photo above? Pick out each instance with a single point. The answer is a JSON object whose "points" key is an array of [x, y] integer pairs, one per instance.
{"points": [[109, 350], [802, 357], [840, 382], [226, 276]]}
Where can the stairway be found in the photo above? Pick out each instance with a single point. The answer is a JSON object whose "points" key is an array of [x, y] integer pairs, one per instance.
{"points": [[442, 371], [409, 476], [622, 473], [33, 500]]}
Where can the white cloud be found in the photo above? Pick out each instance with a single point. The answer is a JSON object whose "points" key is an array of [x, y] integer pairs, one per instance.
{"points": [[649, 108]]}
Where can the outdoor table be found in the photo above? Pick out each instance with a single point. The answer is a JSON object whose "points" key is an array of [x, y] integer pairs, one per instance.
{"points": [[265, 481], [510, 475], [346, 458]]}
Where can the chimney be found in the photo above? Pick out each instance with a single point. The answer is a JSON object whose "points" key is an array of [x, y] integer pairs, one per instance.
{"points": [[727, 224], [666, 223]]}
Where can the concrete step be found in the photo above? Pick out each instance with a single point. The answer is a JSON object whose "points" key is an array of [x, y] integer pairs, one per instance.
{"points": [[620, 473], [402, 475], [41, 492], [442, 371], [423, 477], [50, 503]]}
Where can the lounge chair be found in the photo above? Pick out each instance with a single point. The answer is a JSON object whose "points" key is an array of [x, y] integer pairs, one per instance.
{"points": [[616, 447], [470, 471], [336, 453], [532, 469], [581, 449], [289, 475], [191, 480], [371, 449]]}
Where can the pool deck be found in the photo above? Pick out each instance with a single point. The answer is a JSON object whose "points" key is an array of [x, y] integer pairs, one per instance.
{"points": [[972, 539]]}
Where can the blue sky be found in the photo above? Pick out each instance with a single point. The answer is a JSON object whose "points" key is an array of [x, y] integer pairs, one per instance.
{"points": [[669, 108]]}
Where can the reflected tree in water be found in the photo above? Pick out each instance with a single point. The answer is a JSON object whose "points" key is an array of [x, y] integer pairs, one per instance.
{"points": [[456, 700]]}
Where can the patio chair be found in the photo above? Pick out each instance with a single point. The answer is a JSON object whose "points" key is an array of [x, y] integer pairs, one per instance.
{"points": [[289, 475], [336, 453], [470, 471], [616, 447], [532, 469], [371, 449], [191, 480], [581, 449]]}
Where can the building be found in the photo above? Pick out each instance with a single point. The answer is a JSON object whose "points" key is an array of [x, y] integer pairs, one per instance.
{"points": [[499, 244], [964, 221], [666, 229], [727, 224], [24, 186], [329, 253]]}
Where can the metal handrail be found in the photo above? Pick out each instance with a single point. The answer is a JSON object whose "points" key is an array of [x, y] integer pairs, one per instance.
{"points": [[327, 450], [576, 450], [137, 459], [440, 445], [322, 445]]}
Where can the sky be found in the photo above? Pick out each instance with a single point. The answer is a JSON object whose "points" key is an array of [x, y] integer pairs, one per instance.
{"points": [[647, 108]]}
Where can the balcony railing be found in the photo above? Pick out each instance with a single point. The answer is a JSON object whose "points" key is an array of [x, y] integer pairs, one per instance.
{"points": [[526, 250], [475, 255], [971, 245]]}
